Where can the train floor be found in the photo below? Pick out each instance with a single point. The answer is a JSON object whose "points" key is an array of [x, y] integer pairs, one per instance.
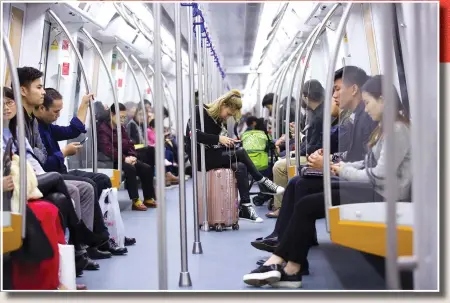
{"points": [[226, 257]]}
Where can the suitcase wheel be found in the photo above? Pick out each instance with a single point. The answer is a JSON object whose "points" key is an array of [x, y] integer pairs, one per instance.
{"points": [[219, 228], [235, 226]]}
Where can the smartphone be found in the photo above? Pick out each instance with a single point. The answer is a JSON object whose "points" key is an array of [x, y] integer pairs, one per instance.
{"points": [[84, 141]]}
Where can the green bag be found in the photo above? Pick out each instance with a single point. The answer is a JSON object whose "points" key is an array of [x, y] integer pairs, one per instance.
{"points": [[255, 142]]}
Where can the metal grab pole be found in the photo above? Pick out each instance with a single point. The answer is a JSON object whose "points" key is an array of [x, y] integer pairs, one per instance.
{"points": [[389, 117], [205, 225], [197, 246], [185, 277], [127, 62], [87, 86], [21, 135], [277, 100], [116, 100], [159, 147], [327, 109], [314, 36]]}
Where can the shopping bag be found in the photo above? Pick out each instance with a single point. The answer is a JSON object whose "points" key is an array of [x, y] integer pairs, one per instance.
{"points": [[111, 215], [67, 271]]}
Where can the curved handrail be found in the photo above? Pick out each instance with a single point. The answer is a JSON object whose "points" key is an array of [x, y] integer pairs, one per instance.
{"points": [[297, 104], [21, 129], [307, 58], [327, 109], [116, 99], [276, 100], [87, 86], [122, 54]]}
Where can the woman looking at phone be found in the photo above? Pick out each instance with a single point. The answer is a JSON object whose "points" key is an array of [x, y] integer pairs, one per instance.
{"points": [[221, 151]]}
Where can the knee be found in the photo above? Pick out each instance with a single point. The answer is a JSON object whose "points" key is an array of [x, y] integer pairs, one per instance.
{"points": [[279, 167], [104, 181], [241, 168]]}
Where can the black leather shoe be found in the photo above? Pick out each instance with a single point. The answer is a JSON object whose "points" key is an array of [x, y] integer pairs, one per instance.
{"points": [[96, 254], [92, 265], [130, 241], [113, 248]]}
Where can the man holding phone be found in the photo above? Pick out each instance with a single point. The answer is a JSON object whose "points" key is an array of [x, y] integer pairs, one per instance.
{"points": [[47, 114]]}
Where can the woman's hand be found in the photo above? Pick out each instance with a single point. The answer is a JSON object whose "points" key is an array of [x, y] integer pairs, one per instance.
{"points": [[130, 160], [8, 184], [226, 141]]}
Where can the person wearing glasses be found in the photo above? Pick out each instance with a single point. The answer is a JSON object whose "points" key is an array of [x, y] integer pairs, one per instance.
{"points": [[135, 163]]}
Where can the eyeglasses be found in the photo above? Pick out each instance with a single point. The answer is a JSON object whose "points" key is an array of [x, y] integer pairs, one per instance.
{"points": [[9, 103]]}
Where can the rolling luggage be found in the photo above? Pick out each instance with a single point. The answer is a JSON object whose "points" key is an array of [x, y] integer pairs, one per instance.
{"points": [[222, 196]]}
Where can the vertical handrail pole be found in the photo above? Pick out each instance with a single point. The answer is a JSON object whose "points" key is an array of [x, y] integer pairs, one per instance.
{"points": [[185, 277], [200, 69], [197, 246], [159, 147], [389, 116]]}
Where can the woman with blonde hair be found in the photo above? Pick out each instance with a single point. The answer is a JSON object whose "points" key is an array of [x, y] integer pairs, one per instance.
{"points": [[220, 150]]}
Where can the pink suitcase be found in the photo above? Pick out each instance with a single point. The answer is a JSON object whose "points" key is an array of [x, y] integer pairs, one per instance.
{"points": [[222, 199]]}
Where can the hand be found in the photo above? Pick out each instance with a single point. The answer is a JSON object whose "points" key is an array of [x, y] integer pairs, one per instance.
{"points": [[292, 127], [130, 160], [71, 149], [226, 141], [86, 99], [316, 160], [281, 140], [336, 169], [8, 184]]}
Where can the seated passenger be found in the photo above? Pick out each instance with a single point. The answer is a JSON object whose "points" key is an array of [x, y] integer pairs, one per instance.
{"points": [[151, 135], [351, 79], [50, 184], [135, 163], [83, 193], [136, 128], [361, 181], [219, 151], [51, 134]]}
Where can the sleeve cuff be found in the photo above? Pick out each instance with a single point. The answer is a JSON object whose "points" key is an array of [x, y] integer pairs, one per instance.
{"points": [[75, 122]]}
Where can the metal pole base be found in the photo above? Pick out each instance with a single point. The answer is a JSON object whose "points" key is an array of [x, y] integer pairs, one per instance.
{"points": [[205, 226], [197, 249], [185, 279]]}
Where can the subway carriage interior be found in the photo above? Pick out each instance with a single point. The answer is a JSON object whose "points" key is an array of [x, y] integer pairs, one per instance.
{"points": [[128, 79]]}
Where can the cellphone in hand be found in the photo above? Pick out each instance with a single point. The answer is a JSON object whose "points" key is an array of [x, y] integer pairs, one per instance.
{"points": [[84, 141]]}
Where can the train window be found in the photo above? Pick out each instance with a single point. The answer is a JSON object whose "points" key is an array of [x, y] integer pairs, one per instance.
{"points": [[44, 48]]}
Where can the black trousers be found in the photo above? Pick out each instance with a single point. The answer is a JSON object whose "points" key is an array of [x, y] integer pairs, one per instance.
{"points": [[145, 169], [242, 165], [99, 182], [297, 219]]}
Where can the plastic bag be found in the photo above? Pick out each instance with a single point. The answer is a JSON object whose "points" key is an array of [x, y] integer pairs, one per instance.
{"points": [[111, 215]]}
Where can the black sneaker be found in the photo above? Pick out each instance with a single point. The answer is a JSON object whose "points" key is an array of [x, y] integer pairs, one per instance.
{"points": [[269, 188], [288, 281], [303, 272], [265, 274], [267, 244], [248, 212]]}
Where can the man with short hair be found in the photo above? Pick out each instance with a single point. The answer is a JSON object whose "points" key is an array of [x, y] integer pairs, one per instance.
{"points": [[82, 193], [47, 114]]}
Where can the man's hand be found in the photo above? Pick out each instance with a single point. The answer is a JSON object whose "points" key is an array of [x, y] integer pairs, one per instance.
{"points": [[86, 99], [71, 149], [130, 160]]}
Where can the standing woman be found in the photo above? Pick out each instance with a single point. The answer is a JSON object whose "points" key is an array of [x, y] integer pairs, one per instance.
{"points": [[220, 150]]}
